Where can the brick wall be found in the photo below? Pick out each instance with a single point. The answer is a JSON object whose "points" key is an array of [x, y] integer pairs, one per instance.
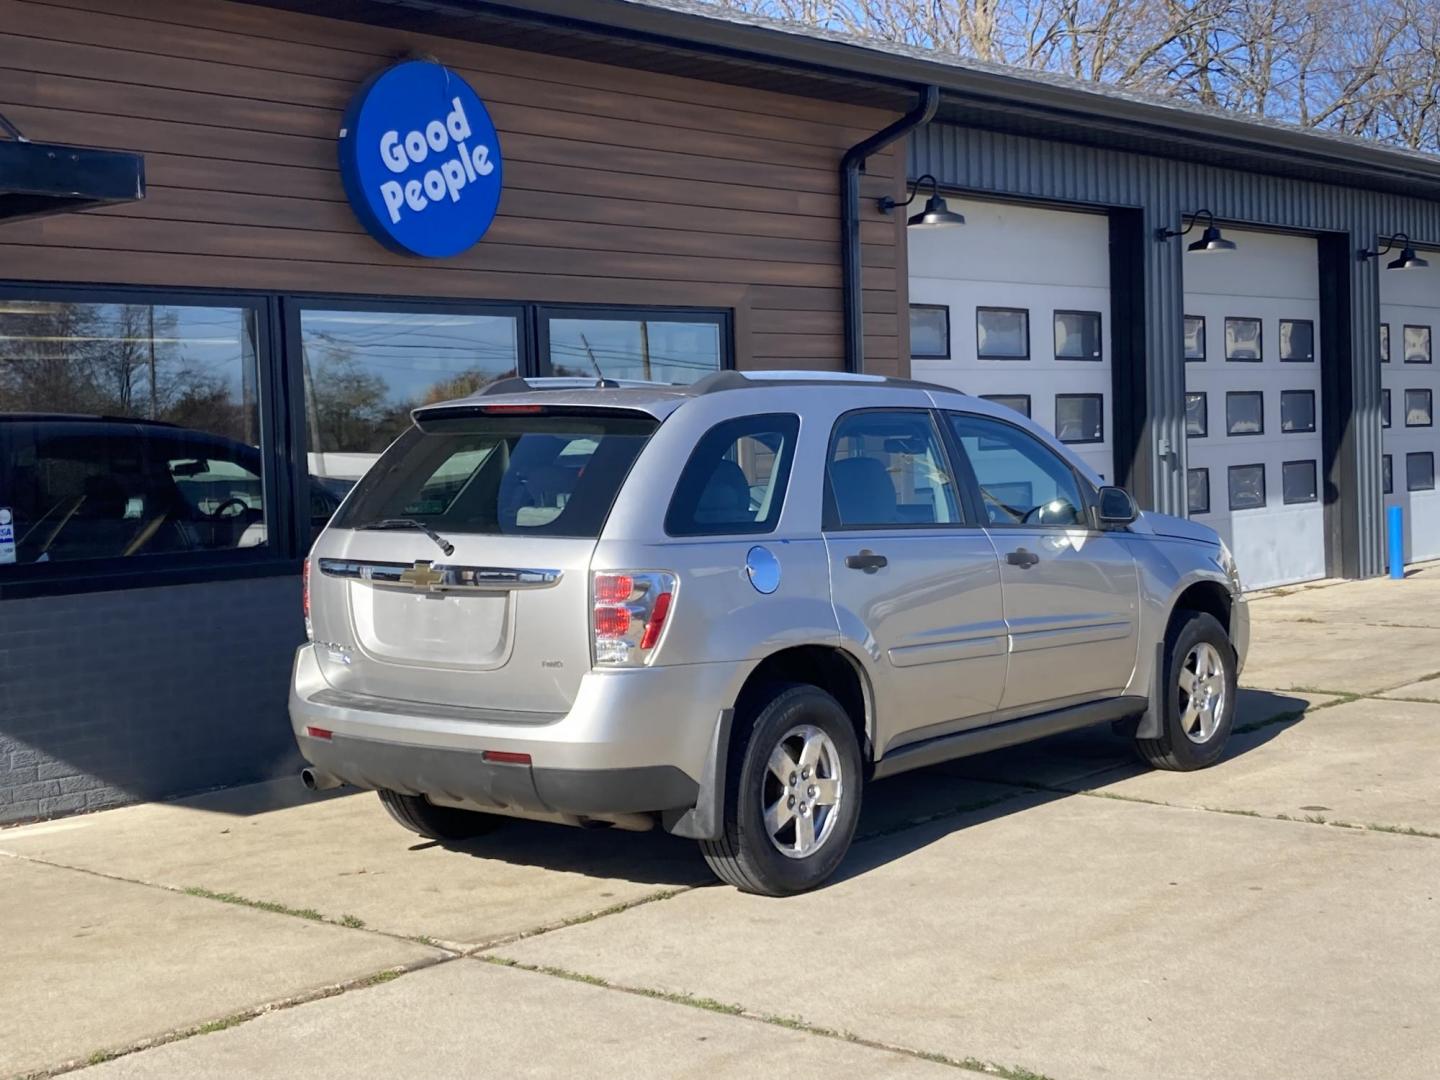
{"points": [[108, 698]]}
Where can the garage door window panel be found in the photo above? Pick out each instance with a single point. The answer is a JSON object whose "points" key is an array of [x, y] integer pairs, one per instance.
{"points": [[1002, 333], [930, 331], [1244, 340], [1298, 482], [1387, 473], [1021, 481], [1194, 338], [1019, 402], [1420, 472], [1297, 341], [1385, 343], [1197, 414], [1385, 408], [888, 469], [1080, 418], [1419, 411], [1297, 411], [1247, 487], [1077, 335], [1197, 490], [1244, 412], [1417, 344]]}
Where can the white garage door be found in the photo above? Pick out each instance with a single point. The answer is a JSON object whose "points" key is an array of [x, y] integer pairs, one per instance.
{"points": [[1016, 307], [1252, 382], [1409, 321]]}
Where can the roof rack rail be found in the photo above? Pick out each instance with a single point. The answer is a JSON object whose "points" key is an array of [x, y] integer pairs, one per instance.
{"points": [[740, 380], [517, 385]]}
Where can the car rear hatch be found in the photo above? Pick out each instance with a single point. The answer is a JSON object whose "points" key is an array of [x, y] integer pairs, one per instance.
{"points": [[500, 622]]}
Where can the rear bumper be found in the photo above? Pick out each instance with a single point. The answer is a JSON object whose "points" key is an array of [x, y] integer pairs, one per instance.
{"points": [[635, 740]]}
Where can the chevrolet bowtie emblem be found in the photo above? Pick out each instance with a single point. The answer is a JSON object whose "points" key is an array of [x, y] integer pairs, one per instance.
{"points": [[422, 575]]}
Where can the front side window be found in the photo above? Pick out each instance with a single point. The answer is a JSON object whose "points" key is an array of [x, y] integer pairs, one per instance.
{"points": [[129, 429], [550, 474], [887, 469], [658, 347], [736, 478], [1021, 480]]}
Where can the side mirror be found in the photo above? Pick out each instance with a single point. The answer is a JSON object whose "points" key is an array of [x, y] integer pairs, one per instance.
{"points": [[1116, 507]]}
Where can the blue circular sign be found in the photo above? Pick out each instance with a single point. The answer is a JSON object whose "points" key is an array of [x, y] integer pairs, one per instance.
{"points": [[420, 160]]}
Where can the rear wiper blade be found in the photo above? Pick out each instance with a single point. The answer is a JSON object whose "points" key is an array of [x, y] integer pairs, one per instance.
{"points": [[419, 526]]}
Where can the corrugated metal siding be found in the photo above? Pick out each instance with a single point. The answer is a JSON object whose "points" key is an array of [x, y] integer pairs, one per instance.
{"points": [[994, 164]]}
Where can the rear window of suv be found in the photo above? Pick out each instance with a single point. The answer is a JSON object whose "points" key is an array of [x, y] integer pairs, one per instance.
{"points": [[550, 474]]}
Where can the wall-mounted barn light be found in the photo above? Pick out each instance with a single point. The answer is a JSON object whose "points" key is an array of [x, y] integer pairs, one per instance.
{"points": [[936, 214], [1210, 239], [1406, 260]]}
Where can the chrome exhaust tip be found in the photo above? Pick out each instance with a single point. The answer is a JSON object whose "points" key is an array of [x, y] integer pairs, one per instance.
{"points": [[318, 779]]}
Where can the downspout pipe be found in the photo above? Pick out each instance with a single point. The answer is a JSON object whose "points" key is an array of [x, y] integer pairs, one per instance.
{"points": [[851, 166]]}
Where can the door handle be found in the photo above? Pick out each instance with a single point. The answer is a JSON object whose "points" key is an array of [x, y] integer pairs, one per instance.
{"points": [[1022, 558], [867, 560]]}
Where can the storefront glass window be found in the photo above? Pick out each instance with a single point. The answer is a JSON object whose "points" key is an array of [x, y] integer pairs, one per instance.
{"points": [[364, 371], [128, 429], [660, 349]]}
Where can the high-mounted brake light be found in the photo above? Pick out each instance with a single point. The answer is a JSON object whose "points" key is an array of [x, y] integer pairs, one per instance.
{"points": [[628, 616], [305, 599], [513, 410]]}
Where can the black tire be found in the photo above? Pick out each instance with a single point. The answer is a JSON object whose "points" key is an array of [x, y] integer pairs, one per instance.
{"points": [[419, 815], [1175, 749], [745, 855]]}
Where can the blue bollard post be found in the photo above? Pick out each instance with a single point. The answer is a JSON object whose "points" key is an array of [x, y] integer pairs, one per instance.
{"points": [[1397, 542]]}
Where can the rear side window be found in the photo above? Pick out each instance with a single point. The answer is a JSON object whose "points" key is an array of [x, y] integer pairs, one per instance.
{"points": [[514, 475], [735, 480]]}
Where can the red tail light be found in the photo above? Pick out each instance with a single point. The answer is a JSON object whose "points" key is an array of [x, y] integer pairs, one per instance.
{"points": [[305, 598], [629, 615]]}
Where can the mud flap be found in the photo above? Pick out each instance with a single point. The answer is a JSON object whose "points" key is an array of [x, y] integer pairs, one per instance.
{"points": [[706, 819], [1153, 720]]}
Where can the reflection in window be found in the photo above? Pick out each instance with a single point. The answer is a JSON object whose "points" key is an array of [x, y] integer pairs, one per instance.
{"points": [[1243, 339], [1418, 410], [1002, 333], [1077, 335], [1019, 402], [1385, 408], [735, 480], [1297, 340], [1021, 480], [930, 331], [1197, 418], [660, 349], [1297, 410], [1247, 486], [1420, 472], [143, 429], [1244, 412], [1387, 474], [1385, 343], [1194, 337], [1079, 418], [1298, 482], [888, 469], [365, 370], [1197, 490], [1417, 344]]}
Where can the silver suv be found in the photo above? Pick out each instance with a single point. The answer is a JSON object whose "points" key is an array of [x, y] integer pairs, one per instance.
{"points": [[726, 608]]}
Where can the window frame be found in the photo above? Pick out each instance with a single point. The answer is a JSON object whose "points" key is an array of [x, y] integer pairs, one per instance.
{"points": [[1098, 357], [1244, 393], [1387, 474], [1100, 438], [1429, 343], [1385, 421], [932, 356], [1420, 454], [746, 425], [981, 354], [1429, 401], [1280, 336], [1259, 340], [20, 580], [1205, 471], [1314, 412], [1230, 488], [541, 313], [1314, 468], [1384, 342], [830, 511], [975, 501]]}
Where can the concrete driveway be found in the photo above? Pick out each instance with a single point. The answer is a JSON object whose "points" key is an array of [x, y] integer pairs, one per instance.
{"points": [[1055, 911]]}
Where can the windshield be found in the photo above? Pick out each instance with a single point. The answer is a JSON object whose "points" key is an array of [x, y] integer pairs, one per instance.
{"points": [[526, 475]]}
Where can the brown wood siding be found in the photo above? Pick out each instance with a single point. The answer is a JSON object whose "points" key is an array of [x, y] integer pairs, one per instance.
{"points": [[621, 186]]}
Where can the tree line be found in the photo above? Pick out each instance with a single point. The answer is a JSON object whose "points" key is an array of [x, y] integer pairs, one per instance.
{"points": [[1368, 68]]}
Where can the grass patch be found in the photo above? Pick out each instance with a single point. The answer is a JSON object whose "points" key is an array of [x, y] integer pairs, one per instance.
{"points": [[99, 1057], [382, 977], [1400, 830], [221, 1025], [259, 905], [352, 921]]}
